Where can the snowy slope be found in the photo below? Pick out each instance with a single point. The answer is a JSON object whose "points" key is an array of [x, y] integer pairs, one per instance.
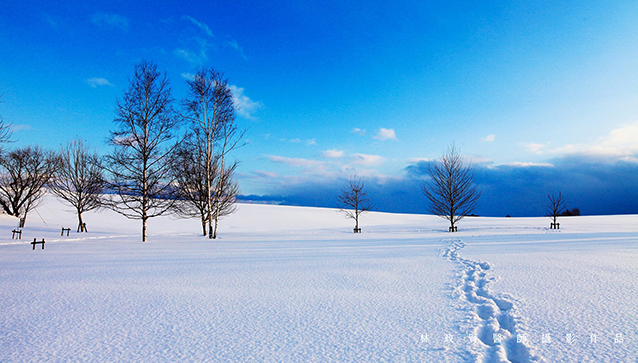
{"points": [[293, 284]]}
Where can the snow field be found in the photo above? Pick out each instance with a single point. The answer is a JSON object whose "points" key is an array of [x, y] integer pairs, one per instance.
{"points": [[294, 284]]}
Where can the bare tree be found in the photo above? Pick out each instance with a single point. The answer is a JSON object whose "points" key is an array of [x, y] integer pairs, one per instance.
{"points": [[211, 112], [140, 165], [79, 180], [354, 201], [23, 174], [555, 208], [451, 190], [191, 183]]}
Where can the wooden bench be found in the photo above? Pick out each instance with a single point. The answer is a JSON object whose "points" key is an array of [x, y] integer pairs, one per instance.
{"points": [[357, 230], [82, 228], [35, 242], [554, 226], [453, 229], [67, 231], [16, 232]]}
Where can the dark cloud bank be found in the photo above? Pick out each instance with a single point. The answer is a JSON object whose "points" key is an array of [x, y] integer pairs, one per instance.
{"points": [[596, 187]]}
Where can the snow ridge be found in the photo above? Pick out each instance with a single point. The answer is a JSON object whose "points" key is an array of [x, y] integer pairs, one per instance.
{"points": [[496, 331]]}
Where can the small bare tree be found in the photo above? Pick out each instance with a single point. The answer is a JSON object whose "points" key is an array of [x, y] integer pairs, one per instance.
{"points": [[79, 180], [555, 208], [354, 201], [140, 163], [451, 190], [23, 174]]}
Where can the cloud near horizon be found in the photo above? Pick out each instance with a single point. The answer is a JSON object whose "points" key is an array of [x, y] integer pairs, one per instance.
{"points": [[621, 142], [369, 160], [296, 162], [516, 189]]}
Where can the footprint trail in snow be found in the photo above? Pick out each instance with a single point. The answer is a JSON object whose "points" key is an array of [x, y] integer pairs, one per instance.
{"points": [[496, 330]]}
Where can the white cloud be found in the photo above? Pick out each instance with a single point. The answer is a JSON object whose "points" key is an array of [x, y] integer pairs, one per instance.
{"points": [[296, 162], [233, 44], [188, 76], [112, 20], [358, 131], [192, 57], [385, 134], [526, 165], [620, 143], [20, 127], [365, 159], [474, 159], [245, 106], [418, 160], [97, 81], [489, 138], [311, 142], [535, 148], [200, 25], [333, 154]]}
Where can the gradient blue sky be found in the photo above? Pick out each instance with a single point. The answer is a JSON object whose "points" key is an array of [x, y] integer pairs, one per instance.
{"points": [[330, 88]]}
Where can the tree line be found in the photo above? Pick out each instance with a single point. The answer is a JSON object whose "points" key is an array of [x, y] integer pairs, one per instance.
{"points": [[450, 191], [151, 170]]}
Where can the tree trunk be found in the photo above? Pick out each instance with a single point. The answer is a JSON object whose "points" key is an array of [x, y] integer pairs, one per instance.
{"points": [[210, 226], [204, 226], [80, 224], [144, 233], [215, 232]]}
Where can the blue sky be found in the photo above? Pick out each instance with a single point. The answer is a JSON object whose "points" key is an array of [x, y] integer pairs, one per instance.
{"points": [[547, 90]]}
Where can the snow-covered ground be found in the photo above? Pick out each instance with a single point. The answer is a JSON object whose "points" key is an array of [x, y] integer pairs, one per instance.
{"points": [[290, 284]]}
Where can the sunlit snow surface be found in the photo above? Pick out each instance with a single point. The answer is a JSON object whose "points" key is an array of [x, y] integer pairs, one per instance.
{"points": [[288, 284]]}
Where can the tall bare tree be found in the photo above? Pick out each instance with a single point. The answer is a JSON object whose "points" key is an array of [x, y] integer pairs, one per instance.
{"points": [[211, 112], [23, 174], [451, 190], [354, 201], [140, 162], [555, 208], [79, 180]]}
